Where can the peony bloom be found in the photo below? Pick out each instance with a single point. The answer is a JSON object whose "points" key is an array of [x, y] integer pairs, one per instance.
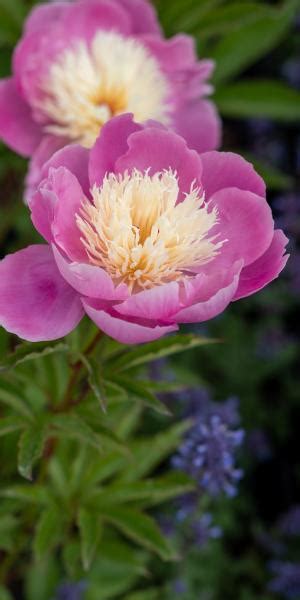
{"points": [[79, 64], [143, 234]]}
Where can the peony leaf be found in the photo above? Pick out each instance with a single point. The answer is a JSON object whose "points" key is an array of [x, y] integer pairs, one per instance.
{"points": [[139, 390], [27, 352], [31, 447], [90, 530], [48, 531]]}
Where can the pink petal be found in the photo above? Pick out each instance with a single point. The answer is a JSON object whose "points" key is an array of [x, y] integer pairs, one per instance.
{"points": [[158, 303], [35, 302], [245, 221], [111, 143], [45, 14], [89, 280], [86, 17], [210, 308], [47, 147], [143, 16], [17, 129], [75, 159], [199, 124], [261, 272], [225, 169], [125, 331], [174, 54], [158, 149]]}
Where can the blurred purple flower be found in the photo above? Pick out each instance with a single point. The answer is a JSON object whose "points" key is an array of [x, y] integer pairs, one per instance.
{"points": [[286, 579], [204, 530], [291, 72], [288, 208], [272, 341], [208, 452], [71, 591], [259, 445], [179, 587], [289, 523]]}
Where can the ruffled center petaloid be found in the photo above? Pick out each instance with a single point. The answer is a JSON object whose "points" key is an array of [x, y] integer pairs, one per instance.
{"points": [[89, 84], [138, 232]]}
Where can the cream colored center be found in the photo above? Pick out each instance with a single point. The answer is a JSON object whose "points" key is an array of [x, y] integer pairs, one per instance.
{"points": [[140, 235], [90, 84]]}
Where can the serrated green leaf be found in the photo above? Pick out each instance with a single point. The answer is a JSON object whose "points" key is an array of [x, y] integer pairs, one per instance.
{"points": [[140, 390], [242, 48], [259, 98], [12, 396], [73, 426], [149, 453], [28, 352], [155, 350], [10, 424], [149, 492], [31, 447], [95, 379], [89, 529], [49, 531], [25, 493], [141, 528]]}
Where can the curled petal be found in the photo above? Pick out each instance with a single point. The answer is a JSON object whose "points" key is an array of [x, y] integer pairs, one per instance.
{"points": [[110, 145], [89, 280], [35, 301], [86, 17], [266, 268], [245, 221], [226, 169], [158, 303], [124, 330], [156, 149], [143, 17]]}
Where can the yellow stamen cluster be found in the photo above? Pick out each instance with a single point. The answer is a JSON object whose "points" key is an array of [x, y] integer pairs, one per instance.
{"points": [[137, 231], [90, 84]]}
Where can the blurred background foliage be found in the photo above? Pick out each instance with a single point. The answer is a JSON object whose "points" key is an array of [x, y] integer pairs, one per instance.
{"points": [[82, 524]]}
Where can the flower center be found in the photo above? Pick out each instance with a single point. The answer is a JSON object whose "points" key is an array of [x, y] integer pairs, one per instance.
{"points": [[89, 84], [140, 235]]}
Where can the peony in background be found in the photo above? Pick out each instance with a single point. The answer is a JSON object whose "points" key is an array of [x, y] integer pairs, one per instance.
{"points": [[168, 469]]}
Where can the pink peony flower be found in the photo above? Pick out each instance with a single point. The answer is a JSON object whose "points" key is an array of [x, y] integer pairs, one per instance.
{"points": [[143, 234], [79, 64]]}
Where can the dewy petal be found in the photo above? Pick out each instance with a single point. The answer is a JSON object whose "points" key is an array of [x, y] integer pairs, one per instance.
{"points": [[125, 331], [213, 306], [199, 124], [245, 221], [35, 301], [158, 303], [17, 129], [109, 146], [156, 150], [226, 169], [261, 272], [89, 280], [143, 16], [86, 17]]}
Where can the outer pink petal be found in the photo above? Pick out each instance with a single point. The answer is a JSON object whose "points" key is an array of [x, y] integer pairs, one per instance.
{"points": [[86, 17], [208, 309], [43, 14], [73, 157], [257, 275], [199, 124], [158, 149], [89, 280], [158, 303], [111, 143], [125, 331], [143, 16], [226, 169], [245, 221], [175, 54], [35, 301], [17, 129], [64, 228], [47, 147]]}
